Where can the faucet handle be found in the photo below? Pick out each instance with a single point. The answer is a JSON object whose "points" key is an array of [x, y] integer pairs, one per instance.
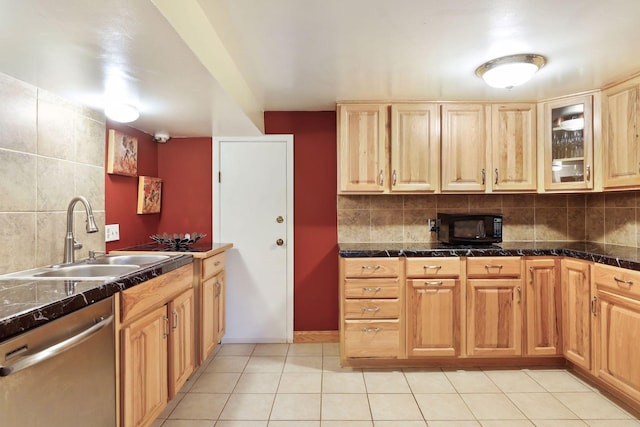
{"points": [[92, 254]]}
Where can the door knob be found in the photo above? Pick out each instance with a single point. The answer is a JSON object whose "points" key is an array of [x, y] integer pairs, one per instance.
{"points": [[279, 242]]}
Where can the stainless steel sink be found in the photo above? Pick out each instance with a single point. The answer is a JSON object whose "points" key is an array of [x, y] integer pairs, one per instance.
{"points": [[128, 259], [106, 267], [85, 270]]}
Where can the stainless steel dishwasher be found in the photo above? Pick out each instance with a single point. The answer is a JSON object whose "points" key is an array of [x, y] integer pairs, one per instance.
{"points": [[62, 373]]}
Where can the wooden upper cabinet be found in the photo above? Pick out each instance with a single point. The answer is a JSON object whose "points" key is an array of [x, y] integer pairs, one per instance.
{"points": [[415, 147], [513, 141], [361, 148], [620, 132], [568, 144], [464, 147]]}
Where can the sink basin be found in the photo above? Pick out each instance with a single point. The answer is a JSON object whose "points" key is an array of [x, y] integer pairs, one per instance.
{"points": [[82, 271], [128, 259], [106, 267]]}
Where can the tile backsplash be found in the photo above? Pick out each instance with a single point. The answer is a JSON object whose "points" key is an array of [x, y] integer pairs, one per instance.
{"points": [[50, 151], [602, 217]]}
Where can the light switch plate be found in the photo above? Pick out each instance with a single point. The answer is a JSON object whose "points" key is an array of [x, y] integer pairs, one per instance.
{"points": [[111, 232]]}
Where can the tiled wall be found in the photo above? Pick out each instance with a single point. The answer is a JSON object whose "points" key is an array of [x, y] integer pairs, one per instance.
{"points": [[50, 151], [603, 217]]}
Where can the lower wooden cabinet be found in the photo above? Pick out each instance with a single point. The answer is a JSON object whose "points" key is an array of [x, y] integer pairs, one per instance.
{"points": [[213, 314], [543, 308], [157, 344], [212, 285], [618, 335], [372, 338], [144, 368], [576, 314], [617, 328], [433, 317], [371, 308], [181, 341], [494, 317]]}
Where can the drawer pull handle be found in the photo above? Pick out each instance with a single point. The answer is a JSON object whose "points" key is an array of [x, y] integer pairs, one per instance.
{"points": [[368, 330], [378, 289], [217, 263], [370, 309], [434, 283], [370, 267], [432, 267], [488, 266], [626, 282]]}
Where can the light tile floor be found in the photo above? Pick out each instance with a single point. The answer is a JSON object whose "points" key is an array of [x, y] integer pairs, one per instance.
{"points": [[303, 385]]}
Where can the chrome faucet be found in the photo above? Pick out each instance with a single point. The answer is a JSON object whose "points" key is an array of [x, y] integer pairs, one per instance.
{"points": [[70, 244]]}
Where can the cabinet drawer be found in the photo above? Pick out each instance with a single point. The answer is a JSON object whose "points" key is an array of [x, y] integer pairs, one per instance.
{"points": [[155, 292], [494, 267], [371, 267], [616, 279], [433, 267], [372, 338], [372, 288], [212, 265], [372, 309]]}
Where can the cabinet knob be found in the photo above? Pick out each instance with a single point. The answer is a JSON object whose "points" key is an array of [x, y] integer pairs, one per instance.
{"points": [[279, 242]]}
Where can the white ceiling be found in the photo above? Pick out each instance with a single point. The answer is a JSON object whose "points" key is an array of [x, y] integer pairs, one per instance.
{"points": [[304, 54]]}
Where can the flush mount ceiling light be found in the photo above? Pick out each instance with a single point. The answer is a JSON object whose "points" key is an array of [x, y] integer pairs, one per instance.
{"points": [[509, 71], [121, 112]]}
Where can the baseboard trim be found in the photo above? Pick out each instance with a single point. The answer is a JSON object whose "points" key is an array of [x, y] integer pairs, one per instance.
{"points": [[316, 336]]}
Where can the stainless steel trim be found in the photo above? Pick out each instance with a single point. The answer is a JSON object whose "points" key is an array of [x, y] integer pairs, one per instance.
{"points": [[56, 349]]}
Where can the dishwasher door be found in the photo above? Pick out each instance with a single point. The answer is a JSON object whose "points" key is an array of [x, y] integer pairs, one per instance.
{"points": [[62, 373]]}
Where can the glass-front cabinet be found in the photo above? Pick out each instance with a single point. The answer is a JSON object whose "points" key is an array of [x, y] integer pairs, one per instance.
{"points": [[568, 149]]}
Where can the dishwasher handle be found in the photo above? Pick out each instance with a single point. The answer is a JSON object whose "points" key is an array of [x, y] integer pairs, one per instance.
{"points": [[56, 349]]}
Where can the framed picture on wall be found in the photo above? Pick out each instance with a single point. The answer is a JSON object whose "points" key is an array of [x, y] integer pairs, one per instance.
{"points": [[122, 154], [149, 194]]}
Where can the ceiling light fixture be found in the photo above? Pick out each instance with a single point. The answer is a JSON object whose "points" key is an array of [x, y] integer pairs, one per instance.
{"points": [[509, 71], [121, 112]]}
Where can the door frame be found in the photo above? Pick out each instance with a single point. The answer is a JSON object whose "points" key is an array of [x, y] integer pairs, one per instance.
{"points": [[288, 139]]}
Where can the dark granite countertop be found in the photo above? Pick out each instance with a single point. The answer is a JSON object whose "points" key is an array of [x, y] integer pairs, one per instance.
{"points": [[615, 255], [26, 304]]}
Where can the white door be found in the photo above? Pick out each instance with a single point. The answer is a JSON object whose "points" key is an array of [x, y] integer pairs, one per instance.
{"points": [[253, 209]]}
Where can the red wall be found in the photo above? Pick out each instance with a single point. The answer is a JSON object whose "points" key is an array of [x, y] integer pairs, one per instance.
{"points": [[185, 167], [315, 215], [121, 193], [184, 164]]}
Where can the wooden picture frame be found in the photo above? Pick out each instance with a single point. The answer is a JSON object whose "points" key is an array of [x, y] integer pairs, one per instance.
{"points": [[122, 154], [149, 195]]}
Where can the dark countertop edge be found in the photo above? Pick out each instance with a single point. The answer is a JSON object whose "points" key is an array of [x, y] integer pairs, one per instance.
{"points": [[592, 253], [24, 321]]}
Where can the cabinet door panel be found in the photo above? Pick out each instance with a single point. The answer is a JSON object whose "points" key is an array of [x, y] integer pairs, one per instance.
{"points": [[144, 368], [576, 313], [464, 135], [433, 317], [543, 308], [494, 317], [363, 160], [619, 334], [513, 136], [415, 147], [181, 341], [622, 156]]}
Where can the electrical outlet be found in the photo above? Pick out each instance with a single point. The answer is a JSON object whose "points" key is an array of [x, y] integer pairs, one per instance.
{"points": [[111, 232]]}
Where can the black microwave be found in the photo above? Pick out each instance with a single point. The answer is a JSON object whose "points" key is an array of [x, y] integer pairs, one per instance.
{"points": [[464, 229]]}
